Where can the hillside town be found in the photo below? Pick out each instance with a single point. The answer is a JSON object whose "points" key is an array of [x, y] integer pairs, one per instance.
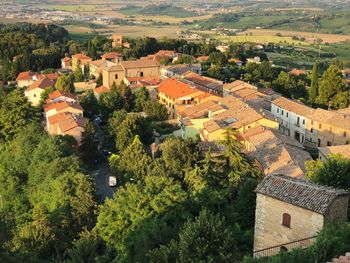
{"points": [[225, 140]]}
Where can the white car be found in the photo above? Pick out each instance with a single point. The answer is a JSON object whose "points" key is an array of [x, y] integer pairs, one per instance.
{"points": [[112, 181]]}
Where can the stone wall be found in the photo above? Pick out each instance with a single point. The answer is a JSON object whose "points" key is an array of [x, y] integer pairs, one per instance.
{"points": [[269, 230], [338, 210]]}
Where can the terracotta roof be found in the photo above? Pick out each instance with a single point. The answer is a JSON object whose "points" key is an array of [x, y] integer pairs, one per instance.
{"points": [[101, 90], [52, 76], [201, 110], [235, 60], [66, 59], [297, 72], [203, 58], [276, 153], [230, 102], [175, 89], [238, 85], [57, 93], [81, 56], [60, 105], [238, 118], [201, 82], [41, 84], [67, 121], [139, 64], [27, 75], [150, 81], [212, 125], [112, 55], [179, 69], [299, 192], [333, 118], [343, 150], [292, 106], [98, 63], [114, 68]]}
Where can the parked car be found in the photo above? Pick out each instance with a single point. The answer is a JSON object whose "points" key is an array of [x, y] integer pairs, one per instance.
{"points": [[112, 181]]}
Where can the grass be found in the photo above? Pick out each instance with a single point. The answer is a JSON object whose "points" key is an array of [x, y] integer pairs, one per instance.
{"points": [[128, 11], [261, 39], [73, 8]]}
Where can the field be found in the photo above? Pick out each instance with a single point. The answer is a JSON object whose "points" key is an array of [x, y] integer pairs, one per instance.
{"points": [[73, 8], [260, 39], [309, 37]]}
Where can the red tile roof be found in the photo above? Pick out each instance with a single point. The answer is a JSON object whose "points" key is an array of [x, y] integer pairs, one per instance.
{"points": [[27, 75], [66, 59], [60, 105], [175, 89], [81, 56], [67, 121], [101, 90], [57, 93], [112, 55], [41, 84]]}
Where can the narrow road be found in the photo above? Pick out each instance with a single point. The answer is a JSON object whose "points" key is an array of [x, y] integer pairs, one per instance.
{"points": [[103, 190]]}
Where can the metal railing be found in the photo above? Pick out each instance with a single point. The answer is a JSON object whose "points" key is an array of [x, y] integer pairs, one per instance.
{"points": [[270, 251]]}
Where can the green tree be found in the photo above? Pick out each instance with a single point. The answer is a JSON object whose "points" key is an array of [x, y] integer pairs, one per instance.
{"points": [[15, 114], [141, 97], [178, 155], [88, 147], [133, 161], [110, 102], [150, 199], [313, 92], [206, 239], [90, 104], [133, 125], [156, 111], [331, 84], [65, 83], [333, 172], [99, 81], [78, 75]]}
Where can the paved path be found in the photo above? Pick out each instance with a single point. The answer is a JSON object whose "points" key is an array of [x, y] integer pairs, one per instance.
{"points": [[103, 190]]}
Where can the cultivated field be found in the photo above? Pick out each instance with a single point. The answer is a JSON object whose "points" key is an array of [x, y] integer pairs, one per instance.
{"points": [[309, 37], [261, 39]]}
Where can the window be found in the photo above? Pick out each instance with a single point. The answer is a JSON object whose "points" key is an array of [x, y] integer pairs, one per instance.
{"points": [[312, 122], [329, 143], [286, 218], [34, 95], [116, 76], [312, 130], [320, 126], [282, 112], [318, 142], [344, 134], [278, 110], [287, 114], [303, 121], [141, 74]]}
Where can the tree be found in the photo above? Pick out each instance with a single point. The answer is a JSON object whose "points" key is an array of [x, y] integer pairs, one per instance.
{"points": [[78, 75], [333, 172], [90, 104], [127, 95], [331, 84], [289, 86], [178, 155], [313, 92], [115, 120], [99, 81], [133, 125], [88, 147], [15, 114], [37, 236], [133, 161], [65, 83], [156, 111], [110, 102], [141, 97], [45, 94], [137, 212], [206, 239]]}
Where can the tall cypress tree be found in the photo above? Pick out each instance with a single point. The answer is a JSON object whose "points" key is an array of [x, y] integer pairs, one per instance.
{"points": [[313, 92]]}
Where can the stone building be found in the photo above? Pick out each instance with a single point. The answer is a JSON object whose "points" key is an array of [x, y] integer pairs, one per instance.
{"points": [[290, 212]]}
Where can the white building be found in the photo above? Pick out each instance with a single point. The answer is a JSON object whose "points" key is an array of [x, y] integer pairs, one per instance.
{"points": [[291, 116]]}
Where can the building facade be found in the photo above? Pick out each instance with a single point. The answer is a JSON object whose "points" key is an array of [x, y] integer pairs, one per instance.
{"points": [[293, 210]]}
